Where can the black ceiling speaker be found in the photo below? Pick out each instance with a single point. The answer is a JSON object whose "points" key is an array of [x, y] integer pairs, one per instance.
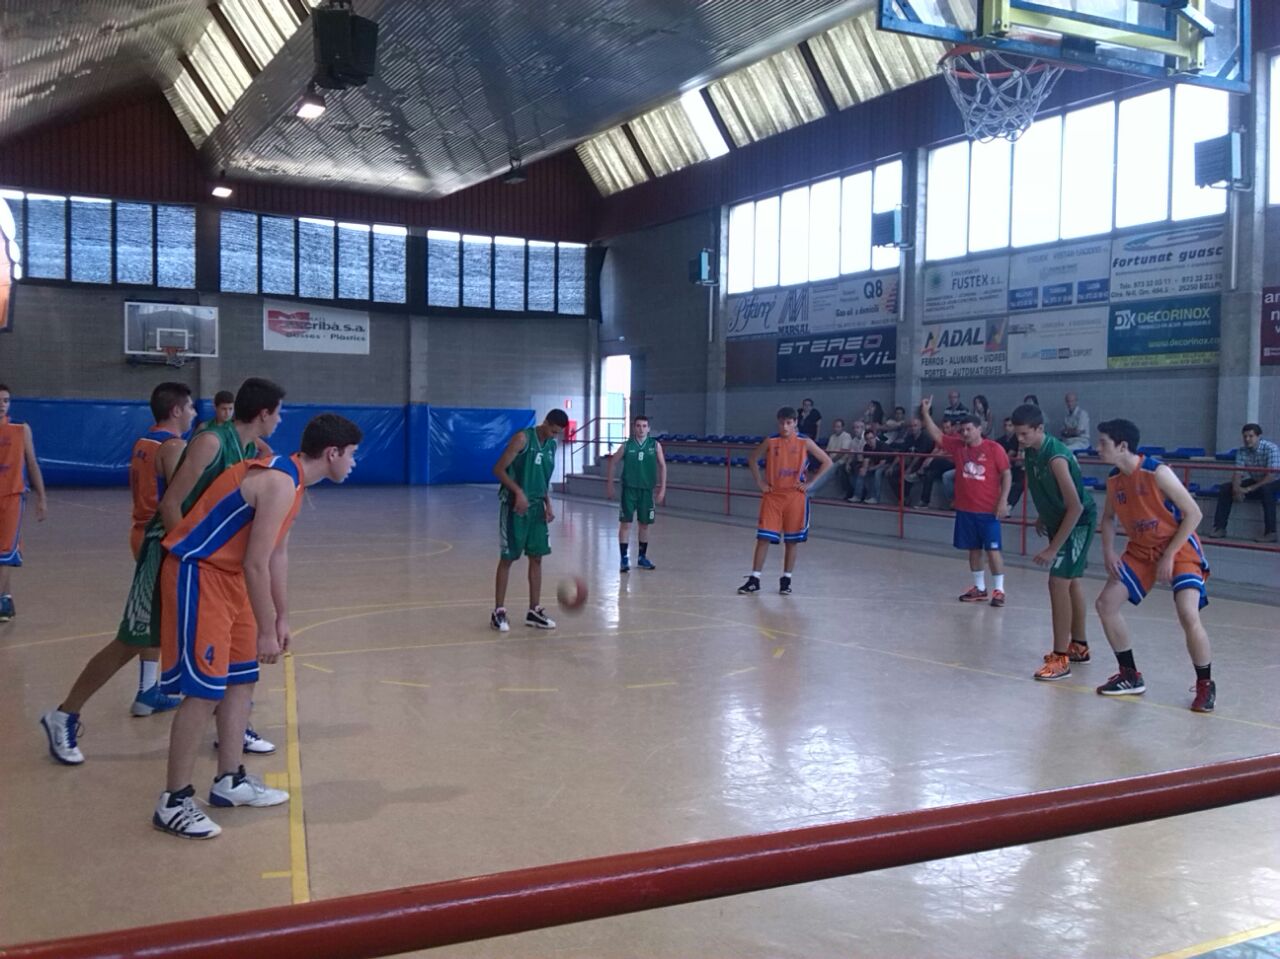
{"points": [[346, 46]]}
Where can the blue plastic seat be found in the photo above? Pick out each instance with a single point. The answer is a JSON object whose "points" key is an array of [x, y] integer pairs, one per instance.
{"points": [[1151, 450], [1187, 452], [1193, 488], [1227, 456], [1092, 482]]}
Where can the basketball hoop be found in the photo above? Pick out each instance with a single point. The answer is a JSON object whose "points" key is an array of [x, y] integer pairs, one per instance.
{"points": [[998, 93], [175, 356]]}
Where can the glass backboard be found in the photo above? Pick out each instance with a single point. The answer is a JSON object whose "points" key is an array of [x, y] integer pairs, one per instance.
{"points": [[1193, 41]]}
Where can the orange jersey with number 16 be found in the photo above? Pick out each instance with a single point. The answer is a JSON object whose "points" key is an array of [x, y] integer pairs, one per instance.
{"points": [[784, 463]]}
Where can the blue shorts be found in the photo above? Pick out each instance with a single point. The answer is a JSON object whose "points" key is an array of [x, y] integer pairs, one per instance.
{"points": [[976, 531]]}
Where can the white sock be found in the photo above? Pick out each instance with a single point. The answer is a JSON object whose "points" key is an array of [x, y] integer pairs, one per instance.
{"points": [[980, 578], [786, 574], [147, 674], [755, 573], [997, 581]]}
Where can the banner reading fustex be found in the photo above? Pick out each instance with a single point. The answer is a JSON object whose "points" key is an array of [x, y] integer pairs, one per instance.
{"points": [[299, 328], [1181, 332]]}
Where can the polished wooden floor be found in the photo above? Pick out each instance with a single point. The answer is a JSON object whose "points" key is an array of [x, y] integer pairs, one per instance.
{"points": [[427, 747]]}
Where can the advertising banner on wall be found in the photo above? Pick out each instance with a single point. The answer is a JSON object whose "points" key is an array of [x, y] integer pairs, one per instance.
{"points": [[299, 328], [1271, 326], [853, 302], [1059, 341], [964, 348], [1061, 276], [768, 313], [1181, 332], [971, 288], [868, 353], [1167, 263]]}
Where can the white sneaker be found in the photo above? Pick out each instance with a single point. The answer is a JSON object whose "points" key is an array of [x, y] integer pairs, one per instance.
{"points": [[254, 744], [177, 813], [538, 618], [241, 789], [62, 729], [498, 620]]}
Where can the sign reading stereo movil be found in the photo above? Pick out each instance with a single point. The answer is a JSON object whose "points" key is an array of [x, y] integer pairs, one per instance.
{"points": [[298, 328], [964, 348], [1166, 263], [828, 307], [869, 353], [1181, 332], [1073, 275], [971, 288]]}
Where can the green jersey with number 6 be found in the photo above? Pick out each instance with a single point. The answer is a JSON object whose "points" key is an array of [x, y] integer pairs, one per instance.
{"points": [[532, 467], [640, 464]]}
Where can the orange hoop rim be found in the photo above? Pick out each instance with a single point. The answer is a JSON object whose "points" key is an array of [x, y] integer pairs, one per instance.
{"points": [[1037, 65]]}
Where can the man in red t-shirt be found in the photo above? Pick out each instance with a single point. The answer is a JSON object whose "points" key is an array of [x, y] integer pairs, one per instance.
{"points": [[983, 479]]}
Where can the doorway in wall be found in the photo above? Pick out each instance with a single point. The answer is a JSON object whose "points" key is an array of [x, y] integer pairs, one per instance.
{"points": [[615, 402]]}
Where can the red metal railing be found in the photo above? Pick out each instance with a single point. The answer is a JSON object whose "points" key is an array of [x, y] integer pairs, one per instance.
{"points": [[1022, 519], [421, 917]]}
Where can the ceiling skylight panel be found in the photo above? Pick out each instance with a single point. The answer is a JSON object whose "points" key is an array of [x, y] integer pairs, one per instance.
{"points": [[611, 161], [667, 139], [767, 97], [195, 103], [282, 16], [859, 62], [704, 125], [255, 28], [219, 66]]}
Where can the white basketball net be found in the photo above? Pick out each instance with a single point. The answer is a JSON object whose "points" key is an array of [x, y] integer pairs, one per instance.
{"points": [[999, 94]]}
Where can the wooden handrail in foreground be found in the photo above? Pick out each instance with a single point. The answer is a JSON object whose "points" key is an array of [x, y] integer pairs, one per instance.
{"points": [[420, 917]]}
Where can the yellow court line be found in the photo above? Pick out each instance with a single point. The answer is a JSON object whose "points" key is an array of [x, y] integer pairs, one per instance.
{"points": [[777, 653], [323, 669], [301, 881], [397, 682], [1191, 951], [278, 874], [669, 682]]}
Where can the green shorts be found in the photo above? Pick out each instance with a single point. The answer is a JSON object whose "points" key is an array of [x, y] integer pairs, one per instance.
{"points": [[1072, 559], [522, 535], [140, 624], [637, 503]]}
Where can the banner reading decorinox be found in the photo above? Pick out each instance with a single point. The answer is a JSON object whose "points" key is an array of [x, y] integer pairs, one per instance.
{"points": [[301, 328]]}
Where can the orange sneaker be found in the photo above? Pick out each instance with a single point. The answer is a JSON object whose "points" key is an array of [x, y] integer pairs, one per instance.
{"points": [[997, 597], [973, 595], [1078, 652], [1056, 666]]}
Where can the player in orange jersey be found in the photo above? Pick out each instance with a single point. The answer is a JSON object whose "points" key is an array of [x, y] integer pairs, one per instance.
{"points": [[1160, 518], [784, 506], [18, 467], [224, 610]]}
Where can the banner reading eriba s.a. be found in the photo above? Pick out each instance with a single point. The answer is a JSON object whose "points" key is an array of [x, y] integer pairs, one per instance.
{"points": [[964, 348], [296, 328], [1181, 332], [869, 353]]}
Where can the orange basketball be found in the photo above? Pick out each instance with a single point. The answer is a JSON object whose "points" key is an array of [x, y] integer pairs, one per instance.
{"points": [[572, 593]]}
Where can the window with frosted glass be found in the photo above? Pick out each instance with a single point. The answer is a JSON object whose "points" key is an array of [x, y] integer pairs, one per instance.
{"points": [[947, 224], [477, 266], [135, 243], [508, 273], [1273, 131], [1198, 114], [990, 177], [389, 265], [176, 246], [886, 195], [855, 223], [824, 229], [767, 217], [1037, 181], [315, 258], [572, 279], [444, 265], [238, 246], [1142, 159], [793, 240], [1088, 170], [353, 261], [742, 227], [542, 276], [90, 241], [46, 237], [278, 264], [11, 229]]}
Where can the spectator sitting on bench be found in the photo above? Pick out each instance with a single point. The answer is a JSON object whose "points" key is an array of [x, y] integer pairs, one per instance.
{"points": [[1257, 476]]}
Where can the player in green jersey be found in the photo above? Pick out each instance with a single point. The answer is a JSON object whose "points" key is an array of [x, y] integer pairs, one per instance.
{"points": [[524, 509], [644, 468], [1067, 515]]}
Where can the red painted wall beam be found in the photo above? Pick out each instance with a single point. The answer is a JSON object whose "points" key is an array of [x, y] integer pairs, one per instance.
{"points": [[420, 917]]}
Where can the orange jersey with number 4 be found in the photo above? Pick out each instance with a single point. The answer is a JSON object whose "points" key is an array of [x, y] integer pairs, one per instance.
{"points": [[784, 461]]}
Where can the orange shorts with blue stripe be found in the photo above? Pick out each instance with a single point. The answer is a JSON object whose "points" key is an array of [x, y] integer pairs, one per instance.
{"points": [[208, 635], [11, 529], [784, 516], [1138, 570]]}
